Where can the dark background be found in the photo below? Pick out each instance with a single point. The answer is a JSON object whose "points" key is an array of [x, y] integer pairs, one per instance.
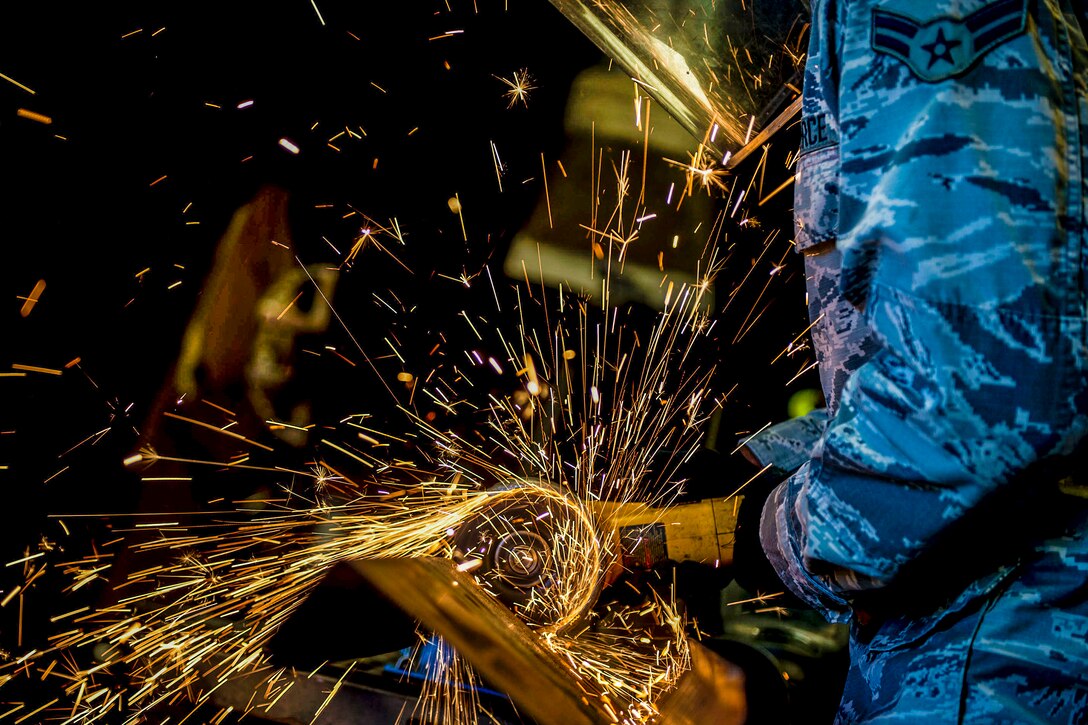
{"points": [[133, 105], [84, 214]]}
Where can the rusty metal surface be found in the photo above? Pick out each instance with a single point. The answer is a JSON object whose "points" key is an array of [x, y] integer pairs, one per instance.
{"points": [[499, 645]]}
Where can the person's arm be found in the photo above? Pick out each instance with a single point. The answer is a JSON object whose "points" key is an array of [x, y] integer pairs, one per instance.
{"points": [[961, 230], [783, 447]]}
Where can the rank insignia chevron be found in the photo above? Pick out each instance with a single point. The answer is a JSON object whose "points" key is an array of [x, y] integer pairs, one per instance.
{"points": [[944, 47]]}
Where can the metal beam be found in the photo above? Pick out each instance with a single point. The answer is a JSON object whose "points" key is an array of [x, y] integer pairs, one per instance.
{"points": [[500, 646]]}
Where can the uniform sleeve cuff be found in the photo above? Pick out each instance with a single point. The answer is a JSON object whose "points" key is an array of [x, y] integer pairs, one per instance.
{"points": [[780, 533]]}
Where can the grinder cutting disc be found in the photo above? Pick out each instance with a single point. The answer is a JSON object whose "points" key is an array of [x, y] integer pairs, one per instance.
{"points": [[536, 551]]}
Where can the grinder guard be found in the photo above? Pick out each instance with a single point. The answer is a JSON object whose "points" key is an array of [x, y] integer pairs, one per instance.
{"points": [[726, 70]]}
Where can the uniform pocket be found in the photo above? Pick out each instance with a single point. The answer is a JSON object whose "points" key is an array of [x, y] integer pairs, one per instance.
{"points": [[816, 198], [840, 335]]}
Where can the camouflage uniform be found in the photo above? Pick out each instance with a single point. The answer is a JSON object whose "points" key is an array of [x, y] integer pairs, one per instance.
{"points": [[940, 205]]}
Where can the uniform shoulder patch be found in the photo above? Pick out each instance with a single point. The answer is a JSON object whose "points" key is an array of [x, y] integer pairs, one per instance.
{"points": [[944, 47]]}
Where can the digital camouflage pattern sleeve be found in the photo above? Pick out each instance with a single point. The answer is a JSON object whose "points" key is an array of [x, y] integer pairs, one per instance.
{"points": [[940, 205]]}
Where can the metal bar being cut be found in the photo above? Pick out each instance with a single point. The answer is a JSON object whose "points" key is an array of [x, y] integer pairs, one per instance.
{"points": [[508, 655], [498, 644]]}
